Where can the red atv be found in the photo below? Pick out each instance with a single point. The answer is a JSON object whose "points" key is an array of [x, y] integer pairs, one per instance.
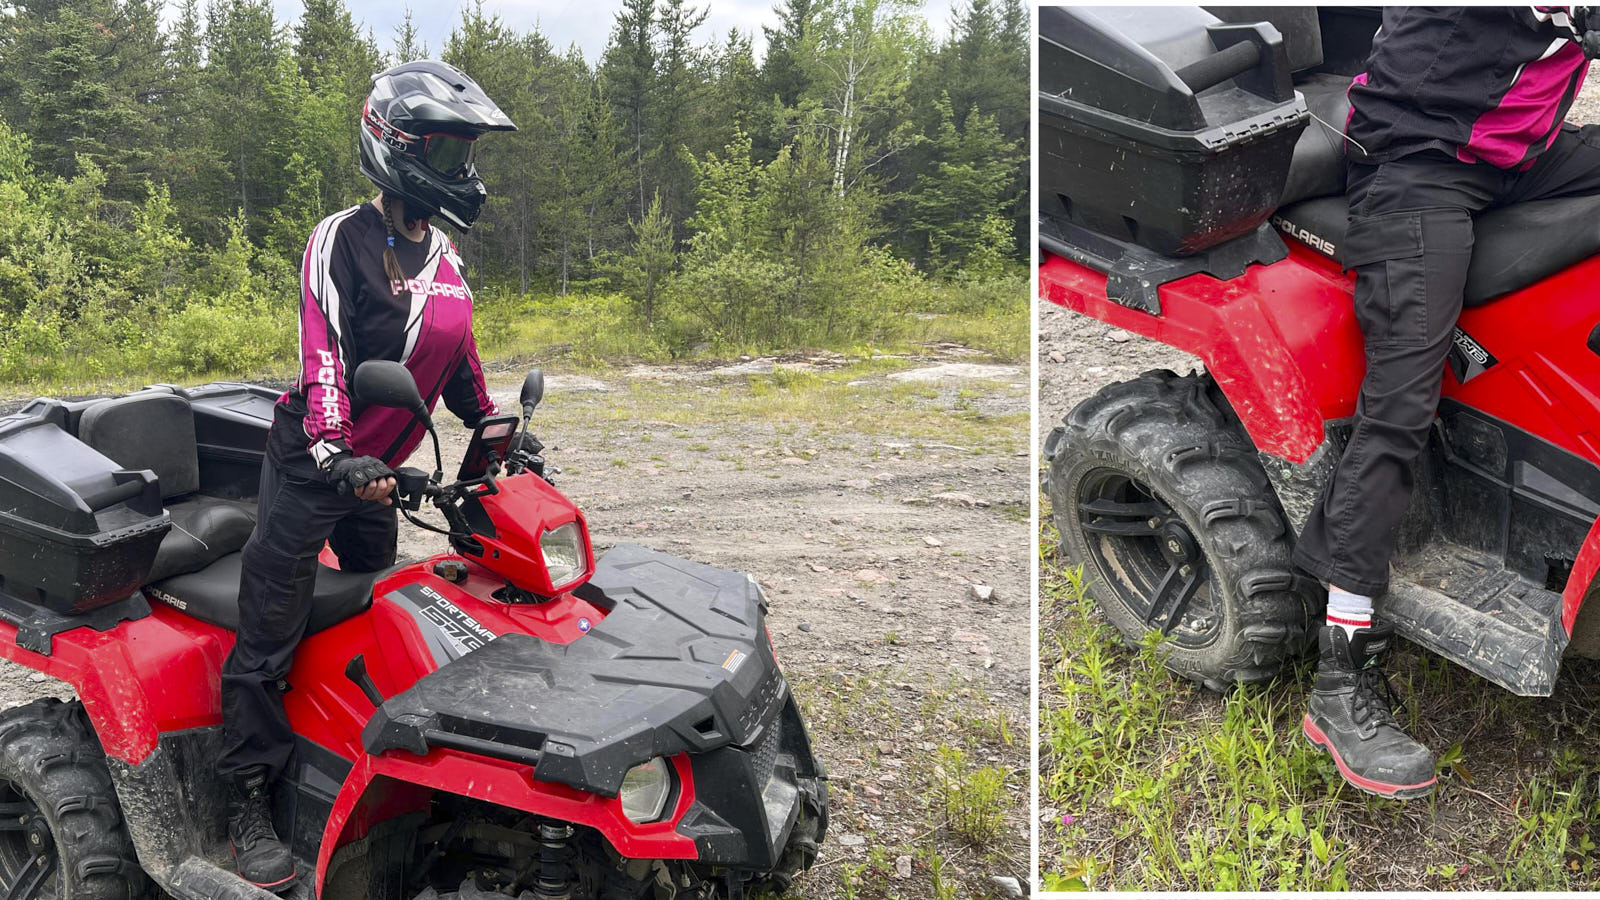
{"points": [[509, 719], [1172, 142]]}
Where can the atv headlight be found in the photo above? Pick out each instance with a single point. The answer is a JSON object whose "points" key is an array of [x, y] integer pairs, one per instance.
{"points": [[563, 553], [644, 791]]}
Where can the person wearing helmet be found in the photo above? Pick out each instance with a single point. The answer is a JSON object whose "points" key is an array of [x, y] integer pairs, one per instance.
{"points": [[378, 281]]}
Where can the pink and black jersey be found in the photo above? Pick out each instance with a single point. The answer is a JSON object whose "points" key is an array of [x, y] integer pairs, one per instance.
{"points": [[1485, 84], [351, 312]]}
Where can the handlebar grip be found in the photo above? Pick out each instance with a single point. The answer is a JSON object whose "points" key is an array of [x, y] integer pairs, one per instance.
{"points": [[1235, 59]]}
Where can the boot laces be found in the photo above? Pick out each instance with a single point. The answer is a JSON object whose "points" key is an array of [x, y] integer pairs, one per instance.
{"points": [[255, 825], [1374, 700]]}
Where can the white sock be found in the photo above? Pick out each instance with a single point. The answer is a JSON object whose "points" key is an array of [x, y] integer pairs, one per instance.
{"points": [[1349, 611]]}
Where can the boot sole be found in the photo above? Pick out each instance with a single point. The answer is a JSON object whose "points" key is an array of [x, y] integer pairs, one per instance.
{"points": [[1369, 785], [274, 886]]}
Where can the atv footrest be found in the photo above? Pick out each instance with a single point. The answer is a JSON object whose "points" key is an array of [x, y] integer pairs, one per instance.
{"points": [[1466, 606], [198, 878]]}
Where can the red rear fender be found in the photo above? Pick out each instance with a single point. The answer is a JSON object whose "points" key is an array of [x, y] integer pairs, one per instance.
{"points": [[1280, 340]]}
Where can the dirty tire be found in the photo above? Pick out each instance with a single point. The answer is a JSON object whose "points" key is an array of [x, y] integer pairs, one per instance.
{"points": [[1167, 441], [52, 767], [804, 840]]}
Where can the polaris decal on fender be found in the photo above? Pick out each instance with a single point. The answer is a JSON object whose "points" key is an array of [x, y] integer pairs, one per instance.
{"points": [[1315, 241], [449, 632], [1468, 359]]}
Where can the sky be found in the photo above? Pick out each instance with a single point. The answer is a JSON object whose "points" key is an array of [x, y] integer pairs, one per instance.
{"points": [[586, 22]]}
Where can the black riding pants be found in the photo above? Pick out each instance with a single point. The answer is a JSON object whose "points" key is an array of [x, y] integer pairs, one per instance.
{"points": [[295, 517], [1410, 241]]}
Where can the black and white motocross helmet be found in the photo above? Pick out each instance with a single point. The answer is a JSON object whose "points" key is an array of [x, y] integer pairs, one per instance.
{"points": [[418, 134]]}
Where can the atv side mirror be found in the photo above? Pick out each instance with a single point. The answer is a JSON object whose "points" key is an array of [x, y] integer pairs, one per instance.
{"points": [[382, 382], [379, 382], [532, 389]]}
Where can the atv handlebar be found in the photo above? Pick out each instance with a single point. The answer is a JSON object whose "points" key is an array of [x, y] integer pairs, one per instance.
{"points": [[412, 486]]}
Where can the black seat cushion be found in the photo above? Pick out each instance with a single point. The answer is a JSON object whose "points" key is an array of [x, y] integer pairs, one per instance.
{"points": [[152, 430], [212, 594], [1317, 167], [1513, 246], [204, 529]]}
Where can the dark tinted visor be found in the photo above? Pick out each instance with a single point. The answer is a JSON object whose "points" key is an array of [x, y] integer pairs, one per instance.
{"points": [[448, 154]]}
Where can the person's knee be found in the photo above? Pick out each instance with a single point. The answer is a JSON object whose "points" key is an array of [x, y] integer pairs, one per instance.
{"points": [[274, 596]]}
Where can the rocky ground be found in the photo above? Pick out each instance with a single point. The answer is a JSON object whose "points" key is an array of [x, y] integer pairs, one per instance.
{"points": [[884, 506], [1078, 355]]}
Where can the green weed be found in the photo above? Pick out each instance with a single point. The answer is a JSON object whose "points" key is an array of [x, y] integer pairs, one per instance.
{"points": [[973, 798], [1153, 783]]}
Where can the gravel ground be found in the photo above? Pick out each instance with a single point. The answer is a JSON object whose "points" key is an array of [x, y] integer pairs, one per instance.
{"points": [[869, 544]]}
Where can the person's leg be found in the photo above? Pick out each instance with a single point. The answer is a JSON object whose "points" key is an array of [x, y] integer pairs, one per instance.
{"points": [[1569, 168], [294, 518], [1410, 242], [367, 540]]}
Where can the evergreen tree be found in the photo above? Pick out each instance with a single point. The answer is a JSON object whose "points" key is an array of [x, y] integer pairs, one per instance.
{"points": [[244, 52], [678, 93], [406, 47], [974, 168], [643, 272], [81, 78], [162, 181], [630, 71]]}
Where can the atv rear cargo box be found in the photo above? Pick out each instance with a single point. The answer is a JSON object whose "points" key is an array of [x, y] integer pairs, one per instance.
{"points": [[77, 531], [1163, 126]]}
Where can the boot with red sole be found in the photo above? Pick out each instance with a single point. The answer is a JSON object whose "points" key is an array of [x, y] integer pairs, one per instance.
{"points": [[1351, 716]]}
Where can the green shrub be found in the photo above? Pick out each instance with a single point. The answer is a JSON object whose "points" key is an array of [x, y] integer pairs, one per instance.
{"points": [[234, 335]]}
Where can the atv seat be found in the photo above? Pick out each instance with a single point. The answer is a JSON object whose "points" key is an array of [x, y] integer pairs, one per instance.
{"points": [[212, 594], [154, 430], [1514, 246]]}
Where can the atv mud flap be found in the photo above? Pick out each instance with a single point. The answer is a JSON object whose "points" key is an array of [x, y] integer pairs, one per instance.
{"points": [[681, 664]]}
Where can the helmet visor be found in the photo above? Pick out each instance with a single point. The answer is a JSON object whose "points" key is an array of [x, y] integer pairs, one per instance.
{"points": [[448, 154]]}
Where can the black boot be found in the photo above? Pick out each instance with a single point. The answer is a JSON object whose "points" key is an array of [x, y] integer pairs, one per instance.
{"points": [[1350, 717], [262, 859]]}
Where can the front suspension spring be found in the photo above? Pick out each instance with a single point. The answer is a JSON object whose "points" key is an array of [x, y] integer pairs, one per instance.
{"points": [[554, 881]]}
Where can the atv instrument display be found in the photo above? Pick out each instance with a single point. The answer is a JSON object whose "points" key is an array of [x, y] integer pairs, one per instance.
{"points": [[1182, 496], [513, 718]]}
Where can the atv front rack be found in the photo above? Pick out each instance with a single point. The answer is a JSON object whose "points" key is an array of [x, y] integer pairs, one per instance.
{"points": [[681, 665]]}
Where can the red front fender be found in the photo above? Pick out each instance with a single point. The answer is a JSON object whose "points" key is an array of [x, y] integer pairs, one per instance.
{"points": [[380, 787]]}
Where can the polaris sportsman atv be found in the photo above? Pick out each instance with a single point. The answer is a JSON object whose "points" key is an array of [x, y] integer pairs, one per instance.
{"points": [[508, 719], [1175, 147]]}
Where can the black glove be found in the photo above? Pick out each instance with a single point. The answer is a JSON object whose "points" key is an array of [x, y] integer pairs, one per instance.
{"points": [[1586, 21], [350, 473], [525, 442]]}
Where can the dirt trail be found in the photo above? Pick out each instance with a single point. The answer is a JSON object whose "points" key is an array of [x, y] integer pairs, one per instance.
{"points": [[870, 579]]}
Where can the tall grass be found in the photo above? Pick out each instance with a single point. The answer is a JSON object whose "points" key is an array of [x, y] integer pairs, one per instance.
{"points": [[250, 334], [1149, 782]]}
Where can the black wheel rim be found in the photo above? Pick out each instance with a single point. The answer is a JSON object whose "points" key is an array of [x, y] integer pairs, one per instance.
{"points": [[27, 848], [1148, 557]]}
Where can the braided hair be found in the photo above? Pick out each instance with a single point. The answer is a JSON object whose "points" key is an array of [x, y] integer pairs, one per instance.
{"points": [[391, 262]]}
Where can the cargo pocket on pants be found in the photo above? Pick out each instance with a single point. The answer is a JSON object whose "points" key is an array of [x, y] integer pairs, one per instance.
{"points": [[1404, 294]]}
